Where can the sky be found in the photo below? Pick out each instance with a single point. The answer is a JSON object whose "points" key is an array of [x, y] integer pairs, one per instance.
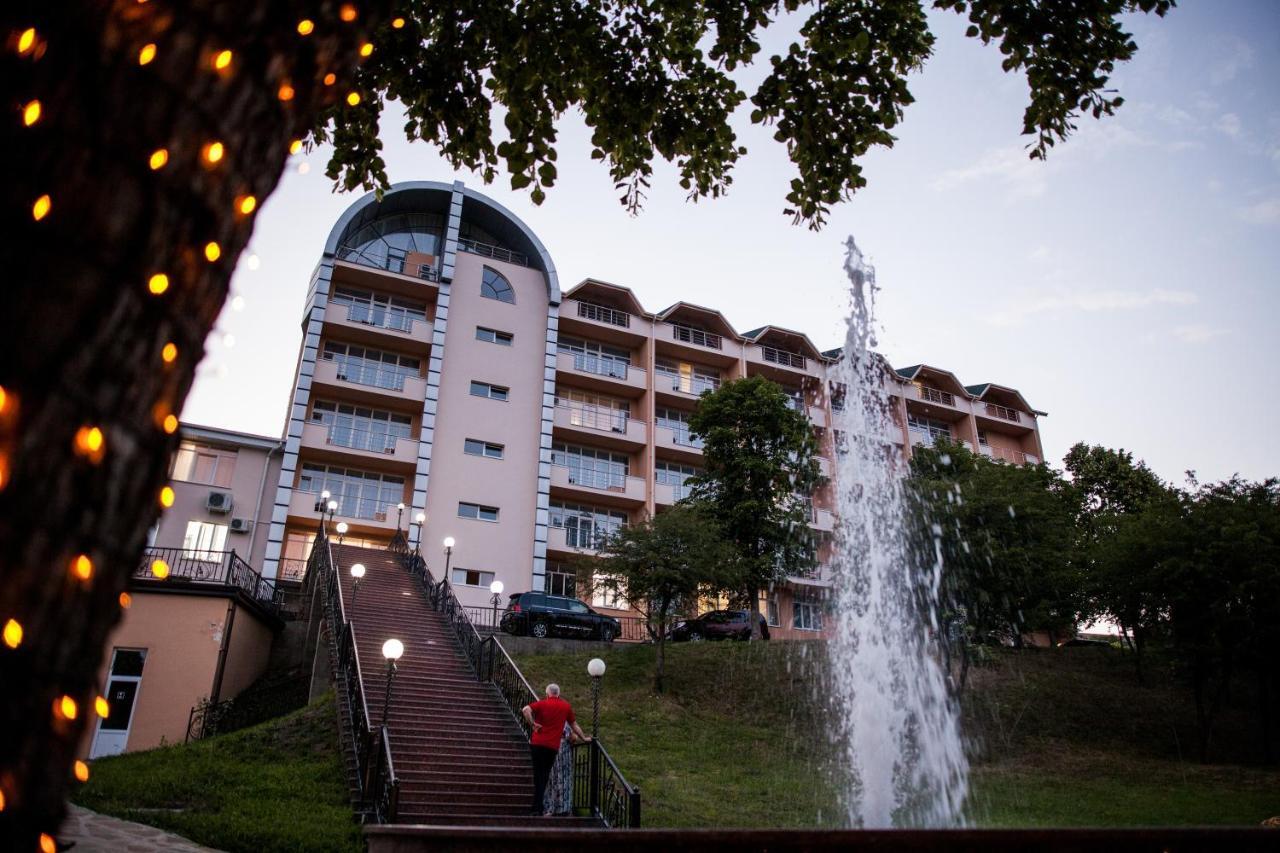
{"points": [[1127, 286]]}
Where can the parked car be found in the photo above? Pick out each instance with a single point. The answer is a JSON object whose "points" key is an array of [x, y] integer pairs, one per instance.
{"points": [[718, 625], [538, 614]]}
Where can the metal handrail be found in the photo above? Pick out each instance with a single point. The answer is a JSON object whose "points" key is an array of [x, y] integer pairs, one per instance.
{"points": [[1003, 412], [362, 439], [489, 250], [604, 314], [214, 568], [614, 368], [381, 317], [783, 357], [697, 337], [933, 395]]}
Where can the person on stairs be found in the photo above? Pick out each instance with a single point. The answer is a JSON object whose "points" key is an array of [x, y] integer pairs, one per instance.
{"points": [[547, 718]]}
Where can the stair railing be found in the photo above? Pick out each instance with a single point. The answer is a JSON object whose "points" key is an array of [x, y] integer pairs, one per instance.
{"points": [[375, 772], [599, 788]]}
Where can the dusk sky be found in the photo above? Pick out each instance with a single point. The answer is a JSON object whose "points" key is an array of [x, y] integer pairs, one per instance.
{"points": [[1127, 286]]}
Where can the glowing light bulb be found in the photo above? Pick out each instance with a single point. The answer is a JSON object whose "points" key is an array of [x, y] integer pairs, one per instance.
{"points": [[101, 708], [82, 567], [397, 23], [47, 844], [147, 54], [245, 204], [222, 61], [40, 209], [169, 352], [31, 113], [237, 303], [306, 27], [4, 399], [66, 707], [82, 771], [90, 441], [158, 283], [125, 600], [213, 152], [159, 569], [347, 13], [228, 340], [170, 423], [353, 98], [26, 40], [166, 497], [303, 168], [330, 79], [212, 251], [13, 633], [366, 49], [295, 146], [254, 262], [285, 92], [158, 158]]}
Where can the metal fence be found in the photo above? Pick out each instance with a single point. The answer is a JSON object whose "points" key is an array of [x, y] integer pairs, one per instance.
{"points": [[176, 566]]}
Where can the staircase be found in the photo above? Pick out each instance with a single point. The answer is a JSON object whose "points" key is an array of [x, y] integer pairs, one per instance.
{"points": [[460, 756]]}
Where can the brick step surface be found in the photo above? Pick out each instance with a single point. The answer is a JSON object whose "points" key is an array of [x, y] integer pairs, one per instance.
{"points": [[499, 820]]}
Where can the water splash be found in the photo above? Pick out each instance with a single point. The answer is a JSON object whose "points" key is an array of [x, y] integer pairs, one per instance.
{"points": [[896, 724]]}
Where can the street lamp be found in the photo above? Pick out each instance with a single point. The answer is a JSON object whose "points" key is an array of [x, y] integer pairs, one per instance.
{"points": [[324, 499], [399, 512], [342, 530], [595, 669], [496, 589], [421, 519], [333, 507], [448, 552], [357, 572], [391, 650]]}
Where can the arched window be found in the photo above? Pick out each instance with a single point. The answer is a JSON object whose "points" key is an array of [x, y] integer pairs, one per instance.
{"points": [[494, 286]]}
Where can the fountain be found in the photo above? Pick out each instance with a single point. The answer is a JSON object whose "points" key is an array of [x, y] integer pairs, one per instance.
{"points": [[895, 722]]}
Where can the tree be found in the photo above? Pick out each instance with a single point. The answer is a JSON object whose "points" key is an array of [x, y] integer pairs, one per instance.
{"points": [[662, 565], [151, 133], [759, 471]]}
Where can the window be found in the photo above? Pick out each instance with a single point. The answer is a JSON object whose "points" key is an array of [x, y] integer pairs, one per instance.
{"points": [[771, 605], [472, 577], [982, 437], [365, 366], [597, 358], [677, 420], [603, 596], [205, 541], [595, 411], [361, 427], [493, 336], [494, 286], [675, 475], [359, 494], [928, 427], [493, 392], [475, 447], [597, 469], [376, 309], [198, 463], [478, 512], [689, 378], [807, 616], [586, 526], [560, 580]]}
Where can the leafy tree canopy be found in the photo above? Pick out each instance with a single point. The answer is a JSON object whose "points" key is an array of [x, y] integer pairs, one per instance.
{"points": [[658, 80]]}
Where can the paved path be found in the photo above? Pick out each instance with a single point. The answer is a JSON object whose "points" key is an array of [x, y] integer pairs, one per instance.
{"points": [[97, 833]]}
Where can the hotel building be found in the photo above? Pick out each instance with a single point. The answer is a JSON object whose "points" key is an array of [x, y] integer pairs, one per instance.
{"points": [[443, 375]]}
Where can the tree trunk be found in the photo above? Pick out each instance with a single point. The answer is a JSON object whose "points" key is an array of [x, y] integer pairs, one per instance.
{"points": [[661, 671], [81, 336]]}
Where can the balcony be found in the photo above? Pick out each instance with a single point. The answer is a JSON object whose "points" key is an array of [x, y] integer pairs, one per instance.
{"points": [[497, 253], [824, 466], [668, 494], [934, 395], [209, 571], [353, 378], [379, 326], [822, 520], [1008, 454], [415, 265], [363, 515], [601, 426], [685, 387], [678, 441], [1000, 413], [780, 363], [605, 374], [573, 541], [697, 337], [339, 441], [594, 320], [598, 486], [818, 417]]}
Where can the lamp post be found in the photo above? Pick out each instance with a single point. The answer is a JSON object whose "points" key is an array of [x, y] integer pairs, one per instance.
{"points": [[448, 552], [399, 512], [323, 502], [333, 507], [342, 530], [421, 519], [357, 572], [595, 669], [391, 650], [495, 599]]}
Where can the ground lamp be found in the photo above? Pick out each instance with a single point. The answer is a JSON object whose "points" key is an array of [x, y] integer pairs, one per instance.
{"points": [[495, 599], [391, 650], [595, 669], [448, 552], [342, 530], [357, 572]]}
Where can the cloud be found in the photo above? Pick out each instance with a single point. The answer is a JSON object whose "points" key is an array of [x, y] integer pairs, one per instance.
{"points": [[1089, 301], [1265, 212], [1040, 254], [1197, 333], [1234, 56], [1010, 166], [1228, 123]]}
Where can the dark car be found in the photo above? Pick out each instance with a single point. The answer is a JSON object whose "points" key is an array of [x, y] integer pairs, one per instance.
{"points": [[541, 615], [718, 625]]}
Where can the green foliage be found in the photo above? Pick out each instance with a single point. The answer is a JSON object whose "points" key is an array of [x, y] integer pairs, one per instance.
{"points": [[658, 81], [759, 468]]}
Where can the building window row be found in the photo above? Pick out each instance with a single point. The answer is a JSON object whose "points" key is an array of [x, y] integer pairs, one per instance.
{"points": [[594, 357], [589, 466], [359, 494], [677, 420], [361, 427], [594, 411], [928, 427], [493, 392], [479, 512], [493, 336], [377, 309], [476, 447], [586, 526], [199, 463], [676, 476], [686, 377]]}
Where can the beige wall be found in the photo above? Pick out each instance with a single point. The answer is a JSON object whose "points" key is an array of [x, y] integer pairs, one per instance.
{"points": [[248, 653]]}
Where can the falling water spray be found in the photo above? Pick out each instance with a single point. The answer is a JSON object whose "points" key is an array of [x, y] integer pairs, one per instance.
{"points": [[896, 723]]}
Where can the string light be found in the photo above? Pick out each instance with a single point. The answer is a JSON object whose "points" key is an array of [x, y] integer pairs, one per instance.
{"points": [[125, 600], [303, 168], [82, 567], [166, 501], [229, 340], [398, 23], [100, 707], [212, 251], [295, 146], [147, 53], [237, 303], [353, 98], [26, 40], [13, 633], [170, 423], [47, 844], [169, 352], [82, 771], [285, 92], [1, 800], [4, 470], [31, 113], [305, 27], [65, 707], [158, 283], [366, 49], [213, 152], [4, 399], [347, 13], [245, 204], [159, 569], [222, 60], [90, 442], [253, 262], [158, 158], [40, 209], [330, 79]]}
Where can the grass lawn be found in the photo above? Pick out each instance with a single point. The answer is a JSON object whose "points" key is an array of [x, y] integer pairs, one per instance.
{"points": [[278, 786], [1064, 738]]}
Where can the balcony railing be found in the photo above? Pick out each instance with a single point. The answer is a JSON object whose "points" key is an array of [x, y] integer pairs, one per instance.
{"points": [[601, 314], [679, 491], [391, 262], [933, 395], [594, 479], [206, 569], [590, 537], [359, 439], [783, 357], [600, 365], [696, 385], [595, 417], [697, 337], [498, 253], [291, 569], [1006, 454], [796, 404], [372, 509], [681, 435], [382, 318], [1004, 413], [370, 373]]}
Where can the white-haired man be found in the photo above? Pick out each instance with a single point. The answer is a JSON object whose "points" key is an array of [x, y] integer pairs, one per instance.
{"points": [[546, 719]]}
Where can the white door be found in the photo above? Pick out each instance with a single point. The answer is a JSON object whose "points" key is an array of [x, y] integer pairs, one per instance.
{"points": [[122, 696]]}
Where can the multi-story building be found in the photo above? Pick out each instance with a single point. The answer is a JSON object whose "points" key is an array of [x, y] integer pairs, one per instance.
{"points": [[446, 388]]}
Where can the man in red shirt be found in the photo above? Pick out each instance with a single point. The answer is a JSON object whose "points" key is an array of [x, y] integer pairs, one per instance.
{"points": [[546, 718]]}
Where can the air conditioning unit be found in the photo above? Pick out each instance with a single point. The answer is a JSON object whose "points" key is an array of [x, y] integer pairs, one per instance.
{"points": [[241, 525], [218, 502]]}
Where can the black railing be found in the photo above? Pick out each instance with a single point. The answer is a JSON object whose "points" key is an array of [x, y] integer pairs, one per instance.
{"points": [[205, 719], [375, 772], [599, 788], [205, 568]]}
